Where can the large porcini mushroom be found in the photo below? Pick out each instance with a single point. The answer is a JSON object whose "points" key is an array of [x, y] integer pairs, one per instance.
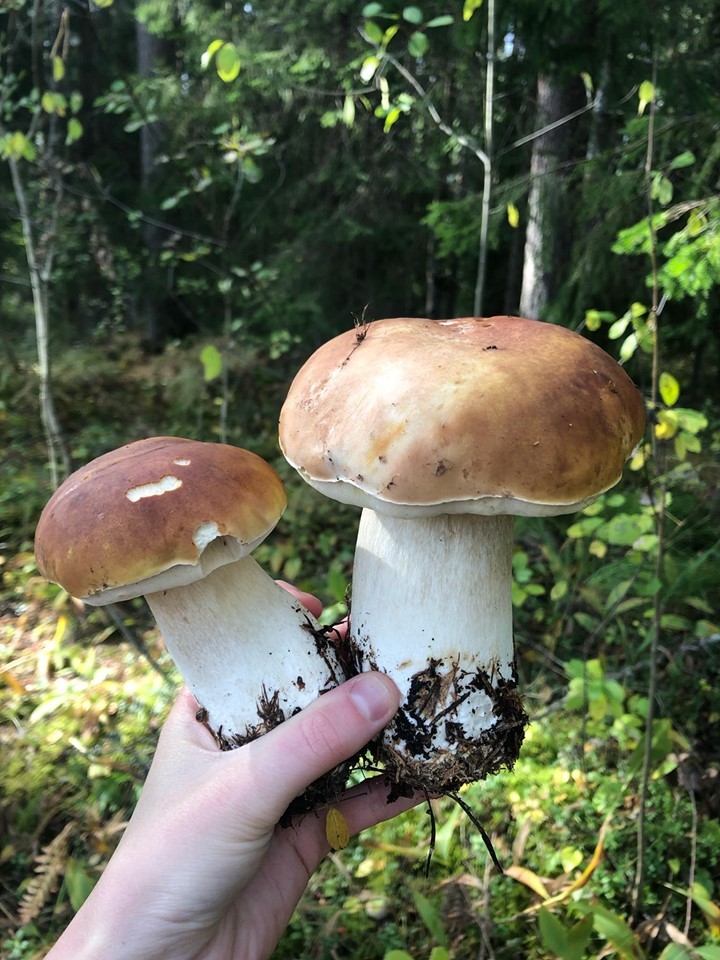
{"points": [[442, 431], [176, 520]]}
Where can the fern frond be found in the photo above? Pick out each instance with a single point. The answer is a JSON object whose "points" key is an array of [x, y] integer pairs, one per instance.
{"points": [[50, 867]]}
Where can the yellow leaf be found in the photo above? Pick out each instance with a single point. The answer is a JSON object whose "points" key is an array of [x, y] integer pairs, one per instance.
{"points": [[58, 69], [227, 62], [60, 629], [12, 681], [336, 829], [646, 95], [513, 215], [598, 549], [667, 424], [469, 8], [530, 879], [669, 389]]}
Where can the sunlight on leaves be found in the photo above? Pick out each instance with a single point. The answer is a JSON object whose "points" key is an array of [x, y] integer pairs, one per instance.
{"points": [[646, 95]]}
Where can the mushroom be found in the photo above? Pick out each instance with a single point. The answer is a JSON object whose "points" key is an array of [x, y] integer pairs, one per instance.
{"points": [[442, 431], [176, 520]]}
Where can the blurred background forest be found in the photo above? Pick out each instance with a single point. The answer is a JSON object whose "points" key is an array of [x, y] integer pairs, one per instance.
{"points": [[194, 196]]}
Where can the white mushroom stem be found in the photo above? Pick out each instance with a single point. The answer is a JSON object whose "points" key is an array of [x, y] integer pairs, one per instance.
{"points": [[431, 606], [246, 648]]}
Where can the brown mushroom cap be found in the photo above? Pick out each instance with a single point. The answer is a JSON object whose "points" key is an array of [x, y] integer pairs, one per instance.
{"points": [[139, 511], [481, 415]]}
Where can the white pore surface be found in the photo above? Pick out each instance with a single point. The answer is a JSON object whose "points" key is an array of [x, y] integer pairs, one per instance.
{"points": [[215, 551], [436, 589], [236, 634], [351, 493]]}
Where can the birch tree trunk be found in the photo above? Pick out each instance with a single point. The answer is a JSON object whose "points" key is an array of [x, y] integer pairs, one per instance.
{"points": [[58, 456]]}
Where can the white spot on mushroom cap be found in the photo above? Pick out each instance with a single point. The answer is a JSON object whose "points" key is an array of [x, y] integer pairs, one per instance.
{"points": [[155, 489], [205, 534], [182, 461]]}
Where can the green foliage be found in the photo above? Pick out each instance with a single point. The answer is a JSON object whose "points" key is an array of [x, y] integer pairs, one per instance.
{"points": [[294, 177]]}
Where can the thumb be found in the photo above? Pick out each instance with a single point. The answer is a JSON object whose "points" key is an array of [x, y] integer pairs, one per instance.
{"points": [[281, 764]]}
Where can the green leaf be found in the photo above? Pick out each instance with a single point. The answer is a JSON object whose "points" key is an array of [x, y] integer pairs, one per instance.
{"points": [[629, 346], [413, 15], [79, 884], [646, 95], [418, 45], [625, 528], [211, 359], [684, 159], [397, 955], [618, 328], [372, 9], [675, 951], [430, 917], [445, 21], [559, 590], [389, 34], [578, 937], [369, 68], [439, 953], [391, 118], [227, 62], [469, 8], [373, 32], [552, 932], [348, 113], [74, 131], [616, 932], [669, 389], [17, 146], [691, 420], [58, 69], [708, 953], [47, 102]]}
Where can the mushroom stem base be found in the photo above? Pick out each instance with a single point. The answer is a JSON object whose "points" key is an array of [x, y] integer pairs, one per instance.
{"points": [[432, 607], [443, 769]]}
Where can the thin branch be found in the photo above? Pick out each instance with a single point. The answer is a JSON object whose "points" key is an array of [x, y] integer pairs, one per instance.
{"points": [[58, 456], [660, 497], [693, 862], [487, 179], [435, 116], [550, 126]]}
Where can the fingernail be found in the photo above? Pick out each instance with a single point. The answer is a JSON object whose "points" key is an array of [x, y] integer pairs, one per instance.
{"points": [[373, 696]]}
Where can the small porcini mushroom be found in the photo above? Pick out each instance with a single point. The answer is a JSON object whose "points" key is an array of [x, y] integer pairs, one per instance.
{"points": [[442, 431], [176, 520]]}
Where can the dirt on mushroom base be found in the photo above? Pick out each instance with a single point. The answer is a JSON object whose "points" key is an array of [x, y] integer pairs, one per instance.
{"points": [[328, 788], [412, 762]]}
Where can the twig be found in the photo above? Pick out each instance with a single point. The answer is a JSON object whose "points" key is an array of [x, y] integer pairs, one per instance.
{"points": [[113, 614], [693, 862]]}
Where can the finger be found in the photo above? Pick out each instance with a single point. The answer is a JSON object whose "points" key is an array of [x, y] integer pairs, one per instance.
{"points": [[310, 602], [298, 850], [330, 730]]}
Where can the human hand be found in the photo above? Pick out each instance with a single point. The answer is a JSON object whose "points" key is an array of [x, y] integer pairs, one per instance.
{"points": [[203, 870]]}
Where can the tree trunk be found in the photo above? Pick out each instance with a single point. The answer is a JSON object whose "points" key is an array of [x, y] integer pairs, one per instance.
{"points": [[548, 228], [58, 456], [148, 52]]}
